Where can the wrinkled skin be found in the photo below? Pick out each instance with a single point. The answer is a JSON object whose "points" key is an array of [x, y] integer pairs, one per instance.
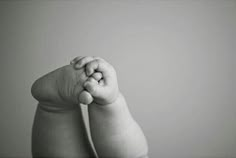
{"points": [[61, 88]]}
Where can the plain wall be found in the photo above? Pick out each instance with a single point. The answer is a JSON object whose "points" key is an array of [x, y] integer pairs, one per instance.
{"points": [[175, 62]]}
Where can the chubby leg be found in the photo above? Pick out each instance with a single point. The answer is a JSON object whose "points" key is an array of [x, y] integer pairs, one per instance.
{"points": [[58, 129], [114, 131], [60, 134]]}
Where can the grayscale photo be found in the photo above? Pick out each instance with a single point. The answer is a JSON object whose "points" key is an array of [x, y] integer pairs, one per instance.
{"points": [[118, 79]]}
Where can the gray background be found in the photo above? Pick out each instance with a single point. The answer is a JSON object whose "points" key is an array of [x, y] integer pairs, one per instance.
{"points": [[175, 62]]}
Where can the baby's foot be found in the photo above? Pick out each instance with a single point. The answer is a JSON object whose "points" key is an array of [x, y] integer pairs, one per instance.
{"points": [[62, 88]]}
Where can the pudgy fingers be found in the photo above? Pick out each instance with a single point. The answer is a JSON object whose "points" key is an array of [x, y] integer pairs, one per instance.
{"points": [[99, 66], [73, 61], [81, 62], [97, 76]]}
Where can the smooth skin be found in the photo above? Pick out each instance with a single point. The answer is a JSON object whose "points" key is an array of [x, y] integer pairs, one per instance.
{"points": [[58, 129], [114, 132]]}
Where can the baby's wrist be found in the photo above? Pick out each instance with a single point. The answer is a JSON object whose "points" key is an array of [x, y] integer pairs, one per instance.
{"points": [[113, 109], [117, 97]]}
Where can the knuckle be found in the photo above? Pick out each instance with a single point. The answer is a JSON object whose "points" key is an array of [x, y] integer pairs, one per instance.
{"points": [[76, 58], [97, 75], [86, 59], [90, 79], [92, 89]]}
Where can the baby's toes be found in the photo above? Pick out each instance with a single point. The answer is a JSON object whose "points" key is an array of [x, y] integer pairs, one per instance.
{"points": [[85, 98]]}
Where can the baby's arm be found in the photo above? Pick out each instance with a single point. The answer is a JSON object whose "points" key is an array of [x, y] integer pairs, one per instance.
{"points": [[114, 131]]}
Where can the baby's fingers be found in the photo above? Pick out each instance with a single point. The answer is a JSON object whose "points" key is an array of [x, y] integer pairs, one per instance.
{"points": [[101, 82], [99, 66], [93, 88], [80, 62], [72, 62], [97, 76]]}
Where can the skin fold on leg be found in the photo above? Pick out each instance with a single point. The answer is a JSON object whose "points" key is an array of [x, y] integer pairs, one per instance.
{"points": [[114, 132], [58, 129]]}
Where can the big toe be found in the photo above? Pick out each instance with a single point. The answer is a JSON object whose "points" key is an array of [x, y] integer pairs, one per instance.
{"points": [[85, 98]]}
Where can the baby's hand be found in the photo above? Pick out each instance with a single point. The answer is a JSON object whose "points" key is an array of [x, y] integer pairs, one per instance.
{"points": [[102, 82]]}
